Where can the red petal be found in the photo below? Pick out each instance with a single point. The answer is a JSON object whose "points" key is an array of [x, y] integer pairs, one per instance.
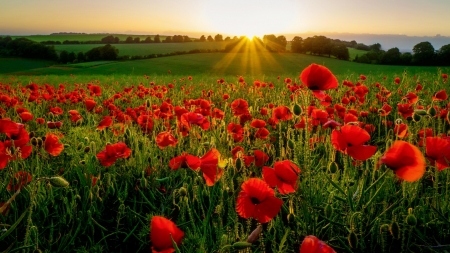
{"points": [[362, 152]]}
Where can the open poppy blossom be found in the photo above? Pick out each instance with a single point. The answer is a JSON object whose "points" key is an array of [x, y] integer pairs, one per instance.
{"points": [[53, 125], [106, 122], [239, 107], [312, 244], [162, 231], [406, 160], [257, 200], [184, 161], [8, 127], [20, 180], [113, 152], [52, 145], [440, 96], [438, 152], [318, 78], [350, 140], [284, 176], [165, 139], [90, 104], [209, 166], [401, 130], [281, 113]]}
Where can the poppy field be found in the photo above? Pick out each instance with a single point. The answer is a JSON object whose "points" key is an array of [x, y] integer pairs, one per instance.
{"points": [[309, 163]]}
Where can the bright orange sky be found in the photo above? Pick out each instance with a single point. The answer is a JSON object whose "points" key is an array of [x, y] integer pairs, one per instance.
{"points": [[227, 17]]}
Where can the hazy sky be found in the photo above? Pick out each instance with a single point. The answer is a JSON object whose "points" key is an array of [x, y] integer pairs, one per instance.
{"points": [[228, 17]]}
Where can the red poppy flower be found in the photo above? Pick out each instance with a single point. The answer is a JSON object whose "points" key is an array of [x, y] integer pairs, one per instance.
{"points": [[162, 231], [258, 123], [40, 121], [8, 127], [411, 97], [350, 140], [52, 145], [237, 131], [209, 166], [26, 116], [401, 130], [440, 96], [257, 200], [239, 107], [56, 110], [20, 180], [95, 90], [284, 176], [406, 110], [90, 104], [106, 122], [146, 123], [165, 139], [75, 115], [318, 77], [312, 244], [438, 152], [184, 161], [406, 160], [385, 110], [262, 133], [260, 158], [113, 152], [281, 113], [237, 151], [397, 80], [53, 125]]}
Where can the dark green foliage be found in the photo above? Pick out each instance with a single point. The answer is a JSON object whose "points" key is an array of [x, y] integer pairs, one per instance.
{"points": [[106, 52], [26, 48]]}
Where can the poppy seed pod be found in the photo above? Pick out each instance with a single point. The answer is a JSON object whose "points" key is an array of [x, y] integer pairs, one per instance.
{"points": [[87, 149], [290, 144], [395, 230], [432, 111], [333, 167], [34, 141], [241, 245], [420, 112], [297, 110], [352, 240], [416, 117], [80, 146], [58, 182]]}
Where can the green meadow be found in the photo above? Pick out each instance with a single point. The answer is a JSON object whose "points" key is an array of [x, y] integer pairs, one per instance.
{"points": [[81, 37]]}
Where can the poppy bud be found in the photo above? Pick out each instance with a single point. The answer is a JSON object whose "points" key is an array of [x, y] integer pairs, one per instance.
{"points": [[182, 191], [34, 141], [80, 146], [420, 112], [58, 182], [352, 240], [328, 211], [432, 111], [224, 239], [79, 122], [384, 228], [333, 167], [411, 219], [32, 134], [238, 163], [87, 149], [147, 103], [290, 144], [255, 234], [398, 121], [82, 162], [395, 230], [416, 117], [40, 142], [66, 145], [297, 109], [291, 218], [241, 245]]}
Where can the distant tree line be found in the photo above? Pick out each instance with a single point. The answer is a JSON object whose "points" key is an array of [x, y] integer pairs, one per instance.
{"points": [[423, 54], [244, 44], [322, 46], [22, 47]]}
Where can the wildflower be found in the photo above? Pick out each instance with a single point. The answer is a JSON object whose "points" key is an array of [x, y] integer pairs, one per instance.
{"points": [[317, 77], [350, 140], [438, 152], [113, 152], [52, 145], [284, 176], [106, 122], [312, 244], [20, 180], [162, 231], [257, 200], [165, 139], [406, 160]]}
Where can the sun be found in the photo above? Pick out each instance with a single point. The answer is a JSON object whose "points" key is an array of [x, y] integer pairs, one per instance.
{"points": [[249, 18]]}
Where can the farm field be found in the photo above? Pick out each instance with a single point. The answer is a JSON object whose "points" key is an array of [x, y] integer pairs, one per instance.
{"points": [[240, 153], [81, 37], [146, 49], [8, 65], [222, 64]]}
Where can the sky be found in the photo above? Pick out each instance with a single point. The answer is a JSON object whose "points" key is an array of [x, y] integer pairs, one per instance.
{"points": [[226, 17]]}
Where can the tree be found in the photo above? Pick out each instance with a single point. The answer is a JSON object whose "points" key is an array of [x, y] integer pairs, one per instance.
{"points": [[63, 57], [282, 42], [116, 40], [137, 40], [108, 39], [227, 38], [443, 55], [186, 39], [210, 39], [406, 58], [392, 57], [148, 40], [340, 51], [168, 39], [375, 47], [218, 37], [81, 57], [423, 53], [71, 57], [297, 45], [106, 52], [157, 39], [129, 39], [202, 38]]}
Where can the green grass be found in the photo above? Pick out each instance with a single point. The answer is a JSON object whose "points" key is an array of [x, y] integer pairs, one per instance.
{"points": [[354, 52], [222, 64], [146, 49], [88, 64], [8, 65], [81, 37]]}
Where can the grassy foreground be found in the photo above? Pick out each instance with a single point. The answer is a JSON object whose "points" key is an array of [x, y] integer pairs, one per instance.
{"points": [[354, 206]]}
